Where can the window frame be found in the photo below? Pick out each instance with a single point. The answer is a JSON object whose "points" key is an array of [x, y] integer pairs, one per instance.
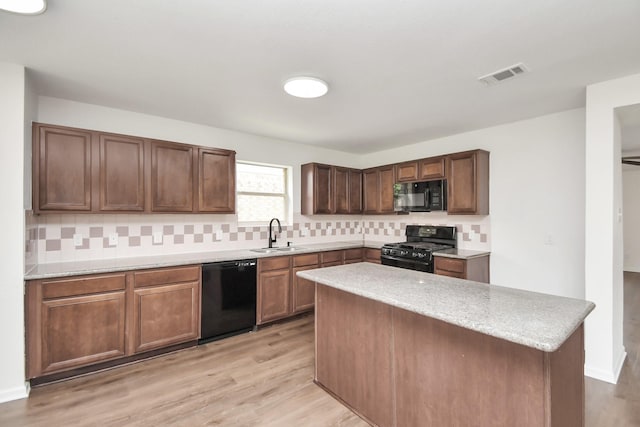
{"points": [[286, 196]]}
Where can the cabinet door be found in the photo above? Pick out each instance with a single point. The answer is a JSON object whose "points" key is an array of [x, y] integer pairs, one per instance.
{"points": [[74, 322], [432, 168], [353, 255], [371, 191], [171, 177], [303, 291], [121, 173], [341, 190], [165, 315], [407, 172], [62, 167], [372, 255], [323, 190], [273, 295], [355, 191], [216, 181], [468, 183], [387, 180]]}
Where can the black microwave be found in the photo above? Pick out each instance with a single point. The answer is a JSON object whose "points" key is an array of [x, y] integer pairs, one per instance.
{"points": [[420, 196]]}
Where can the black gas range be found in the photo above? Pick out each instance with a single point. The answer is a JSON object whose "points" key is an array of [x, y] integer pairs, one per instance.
{"points": [[417, 252]]}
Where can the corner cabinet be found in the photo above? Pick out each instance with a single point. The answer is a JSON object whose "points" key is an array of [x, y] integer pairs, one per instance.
{"points": [[78, 170], [86, 321], [328, 189], [468, 183]]}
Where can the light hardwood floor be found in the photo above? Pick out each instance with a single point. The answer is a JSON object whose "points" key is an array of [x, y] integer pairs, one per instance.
{"points": [[261, 379]]}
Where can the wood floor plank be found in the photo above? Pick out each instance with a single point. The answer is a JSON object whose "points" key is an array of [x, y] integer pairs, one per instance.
{"points": [[262, 379]]}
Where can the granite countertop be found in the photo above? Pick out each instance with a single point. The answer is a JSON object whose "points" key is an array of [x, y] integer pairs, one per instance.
{"points": [[460, 253], [532, 319], [77, 268]]}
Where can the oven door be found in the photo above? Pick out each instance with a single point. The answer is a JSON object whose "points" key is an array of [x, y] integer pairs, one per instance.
{"points": [[407, 263]]}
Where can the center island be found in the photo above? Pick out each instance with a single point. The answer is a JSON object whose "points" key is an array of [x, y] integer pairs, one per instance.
{"points": [[404, 348]]}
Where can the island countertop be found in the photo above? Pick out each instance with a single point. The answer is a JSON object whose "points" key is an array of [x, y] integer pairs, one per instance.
{"points": [[532, 319]]}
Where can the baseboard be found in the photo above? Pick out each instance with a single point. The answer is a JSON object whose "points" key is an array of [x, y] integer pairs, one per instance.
{"points": [[14, 393], [604, 375]]}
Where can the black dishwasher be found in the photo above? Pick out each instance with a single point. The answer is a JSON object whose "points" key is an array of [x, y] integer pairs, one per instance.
{"points": [[228, 299]]}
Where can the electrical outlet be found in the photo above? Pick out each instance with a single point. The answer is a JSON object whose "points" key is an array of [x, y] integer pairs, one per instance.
{"points": [[304, 231], [77, 239], [113, 239], [157, 237], [218, 234]]}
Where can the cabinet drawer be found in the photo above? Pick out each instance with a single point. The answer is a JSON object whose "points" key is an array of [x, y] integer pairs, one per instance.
{"points": [[276, 263], [331, 257], [82, 286], [450, 264], [308, 259], [166, 276], [353, 254], [449, 274]]}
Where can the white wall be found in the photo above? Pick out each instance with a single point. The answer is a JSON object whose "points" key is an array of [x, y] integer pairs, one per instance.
{"points": [[248, 147], [605, 352], [12, 138], [631, 220], [536, 198]]}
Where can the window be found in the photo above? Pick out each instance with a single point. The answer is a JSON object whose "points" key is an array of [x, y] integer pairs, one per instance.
{"points": [[262, 193]]}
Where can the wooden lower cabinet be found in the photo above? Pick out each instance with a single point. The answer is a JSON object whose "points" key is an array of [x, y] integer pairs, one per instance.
{"points": [[166, 310], [274, 289], [353, 255], [304, 291], [372, 255], [86, 320], [476, 269], [74, 322]]}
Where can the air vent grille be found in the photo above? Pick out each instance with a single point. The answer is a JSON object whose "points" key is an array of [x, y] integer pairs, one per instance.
{"points": [[504, 74]]}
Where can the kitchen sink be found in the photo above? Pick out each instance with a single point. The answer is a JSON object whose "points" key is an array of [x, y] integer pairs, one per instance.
{"points": [[272, 250]]}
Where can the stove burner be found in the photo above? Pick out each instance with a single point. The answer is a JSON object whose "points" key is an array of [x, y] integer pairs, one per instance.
{"points": [[417, 252]]}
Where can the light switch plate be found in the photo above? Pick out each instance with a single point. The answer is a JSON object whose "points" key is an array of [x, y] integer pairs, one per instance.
{"points": [[77, 239], [157, 237], [113, 239]]}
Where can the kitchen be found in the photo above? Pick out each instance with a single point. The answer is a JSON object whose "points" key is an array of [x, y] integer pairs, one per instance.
{"points": [[522, 234]]}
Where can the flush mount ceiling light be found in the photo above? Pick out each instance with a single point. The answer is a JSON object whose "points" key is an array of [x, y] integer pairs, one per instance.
{"points": [[24, 7], [305, 87]]}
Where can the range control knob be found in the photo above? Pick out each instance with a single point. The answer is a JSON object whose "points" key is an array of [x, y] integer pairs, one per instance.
{"points": [[403, 253]]}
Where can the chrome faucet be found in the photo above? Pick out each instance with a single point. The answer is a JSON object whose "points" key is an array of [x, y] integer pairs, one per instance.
{"points": [[273, 240]]}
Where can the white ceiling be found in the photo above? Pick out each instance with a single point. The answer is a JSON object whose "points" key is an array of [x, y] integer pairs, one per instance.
{"points": [[399, 71]]}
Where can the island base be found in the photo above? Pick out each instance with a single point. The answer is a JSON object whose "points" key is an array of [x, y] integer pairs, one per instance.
{"points": [[393, 367]]}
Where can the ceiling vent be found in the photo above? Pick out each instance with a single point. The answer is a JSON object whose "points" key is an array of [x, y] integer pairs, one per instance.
{"points": [[504, 74]]}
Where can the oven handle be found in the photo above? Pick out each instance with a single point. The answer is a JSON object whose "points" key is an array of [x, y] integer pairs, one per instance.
{"points": [[397, 259]]}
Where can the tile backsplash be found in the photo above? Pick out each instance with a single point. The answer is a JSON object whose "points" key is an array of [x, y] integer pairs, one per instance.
{"points": [[53, 238]]}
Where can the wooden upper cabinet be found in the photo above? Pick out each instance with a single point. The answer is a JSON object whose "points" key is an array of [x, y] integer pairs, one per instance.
{"points": [[348, 190], [78, 170], [432, 168], [407, 172], [378, 189], [62, 169], [172, 177], [121, 173], [317, 189], [355, 191], [468, 183], [371, 191], [387, 180], [342, 190], [216, 180]]}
